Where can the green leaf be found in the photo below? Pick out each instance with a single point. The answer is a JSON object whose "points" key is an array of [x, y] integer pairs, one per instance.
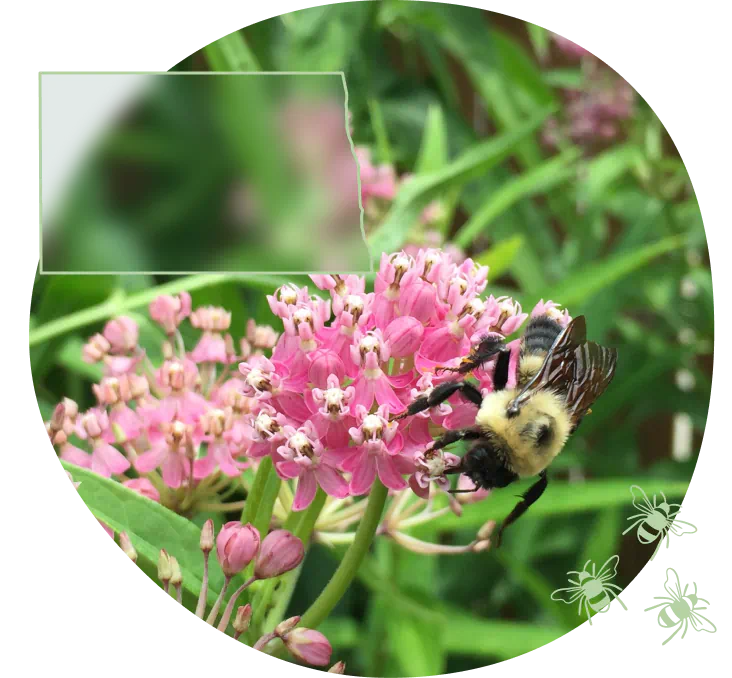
{"points": [[500, 257], [414, 644], [560, 498], [539, 588], [119, 303], [607, 168], [418, 192], [433, 152], [581, 285], [540, 40], [150, 526], [564, 78], [386, 155], [468, 635], [539, 179], [231, 53]]}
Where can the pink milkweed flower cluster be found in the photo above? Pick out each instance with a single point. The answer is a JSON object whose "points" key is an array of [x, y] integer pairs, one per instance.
{"points": [[319, 397], [594, 112]]}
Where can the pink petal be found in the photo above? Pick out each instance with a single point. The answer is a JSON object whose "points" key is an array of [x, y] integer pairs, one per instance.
{"points": [[149, 461], [385, 395], [110, 457], [305, 493], [331, 481], [173, 470], [389, 474], [364, 393], [288, 469], [204, 467], [76, 456], [423, 492], [364, 475]]}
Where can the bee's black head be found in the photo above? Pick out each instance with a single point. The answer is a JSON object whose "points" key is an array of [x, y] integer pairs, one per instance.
{"points": [[485, 465]]}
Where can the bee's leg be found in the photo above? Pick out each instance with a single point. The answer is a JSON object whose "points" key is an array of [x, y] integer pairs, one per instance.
{"points": [[531, 495], [482, 353], [439, 394], [450, 437]]}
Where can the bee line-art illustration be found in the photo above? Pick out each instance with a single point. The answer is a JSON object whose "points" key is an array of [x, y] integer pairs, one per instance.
{"points": [[520, 429], [656, 521], [592, 590]]}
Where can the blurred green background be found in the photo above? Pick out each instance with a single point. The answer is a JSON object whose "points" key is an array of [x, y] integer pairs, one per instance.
{"points": [[605, 223]]}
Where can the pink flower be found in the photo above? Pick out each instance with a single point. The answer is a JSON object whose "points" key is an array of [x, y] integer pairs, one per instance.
{"points": [[266, 431], [432, 466], [105, 459], [219, 452], [169, 311], [95, 349], [369, 352], [172, 452], [376, 181], [211, 348], [552, 310], [236, 546], [332, 415], [211, 319], [144, 487], [305, 459], [379, 443], [122, 334]]}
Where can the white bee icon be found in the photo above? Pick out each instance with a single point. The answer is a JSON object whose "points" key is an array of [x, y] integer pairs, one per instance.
{"points": [[656, 520], [592, 589]]}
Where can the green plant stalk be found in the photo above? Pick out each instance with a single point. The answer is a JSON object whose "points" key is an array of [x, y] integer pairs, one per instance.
{"points": [[348, 569], [351, 562], [288, 581], [267, 502], [249, 514], [118, 302]]}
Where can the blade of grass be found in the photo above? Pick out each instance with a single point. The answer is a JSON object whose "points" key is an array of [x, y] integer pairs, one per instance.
{"points": [[539, 179], [416, 194]]}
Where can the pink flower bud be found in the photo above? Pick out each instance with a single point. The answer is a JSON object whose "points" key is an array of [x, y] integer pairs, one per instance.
{"points": [[404, 335], [122, 334], [338, 667], [323, 365], [95, 349], [236, 546], [309, 646], [281, 552], [418, 300]]}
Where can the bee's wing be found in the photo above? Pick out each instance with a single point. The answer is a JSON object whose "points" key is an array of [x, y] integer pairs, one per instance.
{"points": [[609, 569], [581, 370], [568, 595], [640, 499], [680, 527], [701, 623], [673, 585]]}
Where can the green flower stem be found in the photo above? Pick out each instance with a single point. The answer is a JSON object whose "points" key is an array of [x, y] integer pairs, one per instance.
{"points": [[118, 302], [257, 490], [348, 568], [301, 526], [267, 501]]}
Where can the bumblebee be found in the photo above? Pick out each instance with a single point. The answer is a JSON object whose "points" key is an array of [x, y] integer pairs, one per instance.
{"points": [[519, 431]]}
